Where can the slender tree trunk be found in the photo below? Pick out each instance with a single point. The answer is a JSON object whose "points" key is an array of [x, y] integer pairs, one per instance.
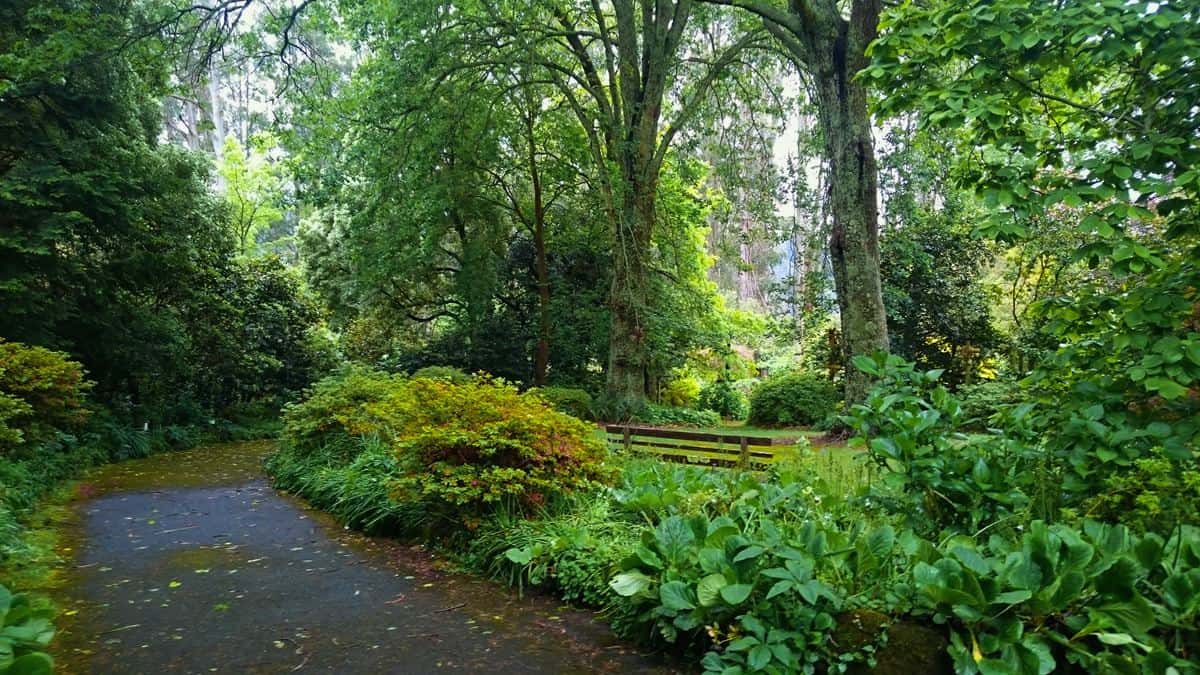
{"points": [[541, 359]]}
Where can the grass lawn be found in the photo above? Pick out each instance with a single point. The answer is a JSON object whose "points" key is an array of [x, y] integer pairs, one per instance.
{"points": [[840, 466]]}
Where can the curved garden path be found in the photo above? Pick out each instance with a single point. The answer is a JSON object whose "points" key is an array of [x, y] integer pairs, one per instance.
{"points": [[190, 563]]}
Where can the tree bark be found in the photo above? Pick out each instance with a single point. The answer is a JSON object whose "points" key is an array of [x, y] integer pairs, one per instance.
{"points": [[853, 194], [629, 295], [541, 357], [831, 48]]}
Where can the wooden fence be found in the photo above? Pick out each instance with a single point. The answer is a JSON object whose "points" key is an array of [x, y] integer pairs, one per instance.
{"points": [[698, 447]]}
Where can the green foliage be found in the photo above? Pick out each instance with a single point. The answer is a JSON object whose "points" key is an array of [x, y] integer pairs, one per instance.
{"points": [[1154, 494], [756, 576], [356, 487], [1125, 377], [661, 415], [721, 398], [1100, 599], [252, 187], [943, 478], [42, 390], [473, 446], [24, 634], [682, 391], [937, 312], [792, 399], [336, 410], [445, 373], [461, 450], [11, 408], [983, 401], [570, 400], [574, 548]]}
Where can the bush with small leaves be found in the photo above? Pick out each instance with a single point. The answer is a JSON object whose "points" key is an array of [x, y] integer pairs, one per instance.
{"points": [[722, 398], [793, 399]]}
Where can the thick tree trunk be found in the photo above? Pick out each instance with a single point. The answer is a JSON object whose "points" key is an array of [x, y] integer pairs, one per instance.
{"points": [[854, 239], [630, 295]]}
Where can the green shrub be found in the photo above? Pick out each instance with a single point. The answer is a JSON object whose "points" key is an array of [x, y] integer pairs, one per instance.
{"points": [[466, 448], [1154, 494], [758, 585], [461, 450], [661, 415], [680, 392], [721, 398], [935, 475], [43, 391], [338, 409], [570, 400], [792, 399], [357, 489], [573, 549], [446, 373], [982, 401], [610, 407], [12, 410], [24, 634], [1100, 599]]}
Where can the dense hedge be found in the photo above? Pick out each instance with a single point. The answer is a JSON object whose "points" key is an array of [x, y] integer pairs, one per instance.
{"points": [[792, 399]]}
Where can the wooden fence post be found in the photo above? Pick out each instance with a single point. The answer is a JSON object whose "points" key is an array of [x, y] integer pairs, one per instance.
{"points": [[744, 458], [628, 438]]}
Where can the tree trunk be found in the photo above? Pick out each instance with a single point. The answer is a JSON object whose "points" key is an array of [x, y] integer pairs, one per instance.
{"points": [[541, 359], [630, 294], [854, 240]]}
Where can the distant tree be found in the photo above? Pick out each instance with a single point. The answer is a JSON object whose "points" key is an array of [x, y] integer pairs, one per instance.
{"points": [[252, 186]]}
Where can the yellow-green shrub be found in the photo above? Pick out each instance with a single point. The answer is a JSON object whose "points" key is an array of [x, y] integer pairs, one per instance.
{"points": [[40, 390], [338, 409], [680, 392], [461, 449]]}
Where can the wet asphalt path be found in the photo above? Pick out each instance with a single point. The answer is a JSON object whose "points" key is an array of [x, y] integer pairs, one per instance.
{"points": [[191, 563]]}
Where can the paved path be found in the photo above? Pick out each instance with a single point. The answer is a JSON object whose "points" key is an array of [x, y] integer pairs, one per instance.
{"points": [[191, 563]]}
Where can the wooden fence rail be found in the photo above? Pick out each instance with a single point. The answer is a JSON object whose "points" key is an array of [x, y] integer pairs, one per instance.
{"points": [[698, 447]]}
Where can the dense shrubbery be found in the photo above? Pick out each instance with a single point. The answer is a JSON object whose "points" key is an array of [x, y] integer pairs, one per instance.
{"points": [[447, 373], [948, 555], [610, 408], [722, 398], [666, 416], [459, 451], [570, 400], [982, 401], [680, 392], [41, 391], [792, 399]]}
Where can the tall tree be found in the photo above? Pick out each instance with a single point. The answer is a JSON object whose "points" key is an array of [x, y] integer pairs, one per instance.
{"points": [[830, 47], [635, 73]]}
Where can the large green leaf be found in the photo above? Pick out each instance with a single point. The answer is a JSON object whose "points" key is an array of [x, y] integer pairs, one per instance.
{"points": [[708, 591], [676, 595], [736, 594], [32, 664], [630, 584]]}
